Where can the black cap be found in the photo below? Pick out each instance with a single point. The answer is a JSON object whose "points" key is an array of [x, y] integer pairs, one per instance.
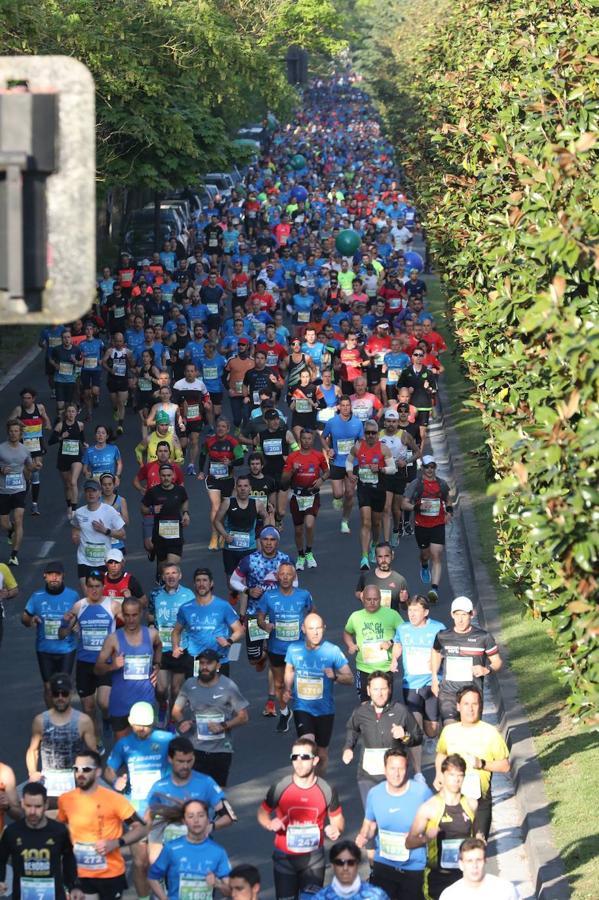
{"points": [[271, 414], [403, 407], [54, 567], [60, 681], [209, 654]]}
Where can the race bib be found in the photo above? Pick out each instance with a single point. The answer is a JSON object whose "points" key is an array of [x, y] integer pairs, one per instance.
{"points": [[90, 362], [173, 831], [471, 785], [211, 373], [142, 782], [288, 631], [164, 633], [58, 781], [379, 359], [256, 398], [203, 719], [32, 444], [15, 481], [119, 367], [367, 476], [94, 554], [272, 359], [373, 760], [458, 668], [70, 448], [241, 540], [192, 887], [219, 470], [88, 857], [303, 316], [450, 853], [386, 597], [238, 387], [361, 412], [255, 633], [169, 529], [393, 845], [303, 406], [372, 652], [304, 502], [137, 668], [418, 660], [144, 384], [310, 687], [193, 410], [51, 627], [54, 341], [344, 446], [65, 368], [325, 415], [272, 447], [157, 320], [212, 308], [93, 635], [429, 506], [119, 311], [302, 838], [392, 376], [37, 888]]}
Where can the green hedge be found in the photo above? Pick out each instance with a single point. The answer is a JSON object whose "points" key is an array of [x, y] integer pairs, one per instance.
{"points": [[494, 106]]}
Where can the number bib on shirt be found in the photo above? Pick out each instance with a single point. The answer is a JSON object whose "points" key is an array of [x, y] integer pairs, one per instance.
{"points": [[418, 660], [37, 889], [272, 447], [169, 529], [70, 448], [141, 782], [32, 444], [450, 853], [392, 376], [241, 540], [93, 635], [310, 687], [137, 668], [51, 627], [193, 411], [192, 887], [303, 406], [372, 652], [65, 368], [144, 384], [302, 838], [386, 596], [324, 415], [94, 554], [304, 502], [90, 362], [255, 633], [238, 387], [367, 476], [212, 308], [344, 446], [164, 633], [15, 481], [219, 470], [373, 760], [429, 506], [58, 781], [393, 845], [202, 721], [211, 373], [458, 668], [88, 857], [303, 315]]}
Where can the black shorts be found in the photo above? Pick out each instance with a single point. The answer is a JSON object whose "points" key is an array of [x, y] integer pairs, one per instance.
{"points": [[163, 547], [296, 874], [64, 463], [86, 680], [427, 536], [397, 883], [422, 417], [226, 486], [232, 558], [52, 663], [65, 391], [448, 706], [182, 665], [8, 502], [117, 384], [216, 765], [320, 726], [374, 497], [194, 427], [105, 888], [276, 480], [337, 473], [277, 660], [437, 881], [374, 374], [91, 378], [84, 570], [216, 398], [396, 483], [297, 515], [423, 701], [119, 723]]}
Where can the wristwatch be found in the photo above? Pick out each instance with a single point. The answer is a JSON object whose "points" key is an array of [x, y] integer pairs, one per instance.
{"points": [[108, 532], [483, 762]]}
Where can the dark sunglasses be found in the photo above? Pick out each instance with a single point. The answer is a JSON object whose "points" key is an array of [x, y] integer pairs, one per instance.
{"points": [[61, 693], [346, 863], [371, 432], [302, 756], [418, 354], [85, 769]]}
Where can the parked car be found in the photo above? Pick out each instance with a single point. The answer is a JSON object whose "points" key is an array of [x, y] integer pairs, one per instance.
{"points": [[222, 181], [139, 231], [179, 205]]}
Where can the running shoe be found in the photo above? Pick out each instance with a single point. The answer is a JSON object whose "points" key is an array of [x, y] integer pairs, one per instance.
{"points": [[162, 716], [120, 429], [190, 470], [425, 574], [312, 564], [433, 595], [269, 711], [338, 503], [284, 722], [70, 513], [35, 509], [364, 564], [300, 563], [259, 667], [345, 526], [395, 536], [14, 559], [213, 545], [408, 528], [419, 777], [372, 553]]}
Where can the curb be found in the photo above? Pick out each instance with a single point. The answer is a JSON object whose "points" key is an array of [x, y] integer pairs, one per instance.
{"points": [[547, 868], [19, 366]]}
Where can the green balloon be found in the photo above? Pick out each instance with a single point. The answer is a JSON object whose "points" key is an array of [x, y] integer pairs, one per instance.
{"points": [[298, 162], [347, 242]]}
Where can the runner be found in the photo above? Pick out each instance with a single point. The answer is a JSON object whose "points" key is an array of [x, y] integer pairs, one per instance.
{"points": [[468, 652], [368, 634], [235, 371], [364, 404], [305, 402], [237, 523], [475, 882], [262, 486], [95, 817], [405, 451], [131, 657], [34, 418], [372, 461], [305, 471], [92, 351], [312, 666], [223, 452], [482, 748], [16, 469], [413, 642], [422, 385], [57, 735], [93, 528], [442, 824], [40, 853], [429, 496], [8, 591], [301, 802], [169, 504], [68, 433], [381, 724], [275, 443], [195, 404], [213, 368], [345, 857], [207, 709], [102, 456], [392, 585], [112, 497], [339, 436], [66, 360], [118, 363], [390, 810]]}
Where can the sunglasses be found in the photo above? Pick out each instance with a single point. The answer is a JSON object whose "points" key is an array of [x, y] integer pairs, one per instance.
{"points": [[371, 432], [85, 769], [303, 756], [346, 863], [418, 354], [61, 693]]}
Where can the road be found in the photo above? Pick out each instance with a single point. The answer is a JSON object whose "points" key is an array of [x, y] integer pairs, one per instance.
{"points": [[261, 755]]}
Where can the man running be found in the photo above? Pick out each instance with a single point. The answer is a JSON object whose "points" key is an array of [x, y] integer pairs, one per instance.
{"points": [[305, 471], [16, 468], [475, 882], [93, 528], [338, 437], [392, 585], [169, 504], [34, 418], [368, 634]]}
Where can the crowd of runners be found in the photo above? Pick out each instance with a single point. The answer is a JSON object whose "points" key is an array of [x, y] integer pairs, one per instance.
{"points": [[293, 347]]}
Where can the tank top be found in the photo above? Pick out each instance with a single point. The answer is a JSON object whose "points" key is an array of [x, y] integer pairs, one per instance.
{"points": [[115, 589], [241, 523], [455, 823], [70, 447], [120, 363], [33, 425], [294, 370], [366, 456], [96, 622], [60, 743], [430, 510], [145, 385], [132, 683]]}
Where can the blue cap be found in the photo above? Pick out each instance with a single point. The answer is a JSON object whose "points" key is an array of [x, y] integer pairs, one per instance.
{"points": [[270, 532]]}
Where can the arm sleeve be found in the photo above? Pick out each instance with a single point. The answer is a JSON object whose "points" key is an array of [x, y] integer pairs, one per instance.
{"points": [[69, 863], [4, 855]]}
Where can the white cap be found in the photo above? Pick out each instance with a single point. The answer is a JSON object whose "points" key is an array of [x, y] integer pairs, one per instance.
{"points": [[429, 461], [391, 414], [141, 713], [463, 604], [116, 555]]}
